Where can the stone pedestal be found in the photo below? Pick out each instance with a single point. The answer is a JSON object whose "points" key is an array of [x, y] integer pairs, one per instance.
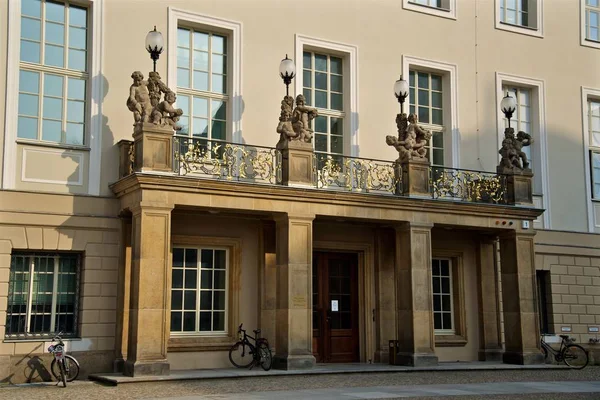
{"points": [[521, 323], [519, 187], [414, 175], [150, 291], [294, 289], [490, 343], [416, 345], [297, 163], [153, 148]]}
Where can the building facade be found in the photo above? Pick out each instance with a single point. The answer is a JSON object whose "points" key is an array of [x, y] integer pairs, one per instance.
{"points": [[148, 250]]}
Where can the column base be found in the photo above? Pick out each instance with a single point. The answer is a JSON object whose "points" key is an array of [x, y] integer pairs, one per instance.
{"points": [[139, 368], [490, 355], [288, 362], [510, 357], [118, 365], [382, 356], [417, 359]]}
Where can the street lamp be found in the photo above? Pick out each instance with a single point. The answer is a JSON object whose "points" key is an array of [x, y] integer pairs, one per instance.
{"points": [[154, 45], [287, 71], [401, 92], [508, 107]]}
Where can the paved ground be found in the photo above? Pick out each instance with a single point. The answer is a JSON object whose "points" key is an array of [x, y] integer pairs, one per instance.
{"points": [[358, 386]]}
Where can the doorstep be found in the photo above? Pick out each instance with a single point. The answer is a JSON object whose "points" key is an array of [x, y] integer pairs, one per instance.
{"points": [[319, 369]]}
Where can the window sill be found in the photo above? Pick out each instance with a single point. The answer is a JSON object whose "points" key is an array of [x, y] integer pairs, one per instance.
{"points": [[200, 343], [590, 43], [434, 11], [524, 30], [52, 145], [39, 339], [450, 341]]}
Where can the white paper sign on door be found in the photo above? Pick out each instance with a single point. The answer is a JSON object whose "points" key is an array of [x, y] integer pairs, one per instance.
{"points": [[334, 305]]}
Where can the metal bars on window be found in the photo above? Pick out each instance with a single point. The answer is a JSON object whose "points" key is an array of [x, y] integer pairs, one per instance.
{"points": [[53, 72], [43, 295]]}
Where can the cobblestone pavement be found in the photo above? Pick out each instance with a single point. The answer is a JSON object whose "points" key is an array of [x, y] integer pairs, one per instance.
{"points": [[171, 389]]}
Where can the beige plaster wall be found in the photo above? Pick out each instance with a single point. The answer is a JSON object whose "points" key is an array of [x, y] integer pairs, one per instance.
{"points": [[248, 231], [464, 244], [63, 223]]}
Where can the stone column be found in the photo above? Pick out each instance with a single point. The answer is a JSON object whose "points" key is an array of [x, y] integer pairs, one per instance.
{"points": [[490, 342], [385, 300], [414, 295], [150, 292], [521, 323], [123, 290], [268, 285], [294, 291]]}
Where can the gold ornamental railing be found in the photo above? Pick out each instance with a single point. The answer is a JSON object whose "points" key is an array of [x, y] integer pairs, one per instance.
{"points": [[467, 185], [355, 174], [223, 160]]}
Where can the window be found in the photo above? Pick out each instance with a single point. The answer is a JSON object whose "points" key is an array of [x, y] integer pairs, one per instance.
{"points": [[440, 8], [426, 100], [202, 84], [43, 294], [521, 119], [592, 16], [594, 134], [443, 318], [544, 300], [53, 72], [520, 16], [199, 291], [323, 88]]}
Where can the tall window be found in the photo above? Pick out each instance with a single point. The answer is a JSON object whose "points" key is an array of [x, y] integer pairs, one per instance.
{"points": [[592, 17], [43, 292], [521, 119], [594, 127], [202, 91], [544, 293], [53, 74], [199, 291], [323, 88], [426, 100], [443, 319]]}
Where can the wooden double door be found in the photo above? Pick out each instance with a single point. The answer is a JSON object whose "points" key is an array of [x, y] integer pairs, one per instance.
{"points": [[335, 307]]}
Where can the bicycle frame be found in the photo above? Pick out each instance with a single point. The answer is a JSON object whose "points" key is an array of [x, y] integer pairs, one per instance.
{"points": [[556, 353]]}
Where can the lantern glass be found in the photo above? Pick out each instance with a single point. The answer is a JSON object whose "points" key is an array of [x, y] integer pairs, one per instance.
{"points": [[154, 41]]}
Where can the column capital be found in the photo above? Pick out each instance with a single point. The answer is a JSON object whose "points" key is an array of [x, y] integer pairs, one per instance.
{"points": [[284, 217], [138, 208], [408, 225]]}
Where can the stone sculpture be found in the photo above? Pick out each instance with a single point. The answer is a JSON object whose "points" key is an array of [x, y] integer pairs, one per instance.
{"points": [[513, 158], [145, 102], [411, 139], [294, 123]]}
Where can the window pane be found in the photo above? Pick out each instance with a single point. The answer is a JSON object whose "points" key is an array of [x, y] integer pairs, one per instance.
{"points": [[206, 300], [200, 41], [423, 97], [27, 128], [52, 108], [336, 65], [218, 130], [320, 99], [176, 321], [205, 324], [201, 80], [75, 133], [219, 279], [77, 59], [321, 124], [307, 96], [220, 259], [336, 83], [337, 144], [191, 278], [30, 52], [219, 84], [54, 55], [76, 89], [77, 38], [424, 115], [438, 139], [189, 321], [218, 321], [200, 59], [320, 62], [447, 320], [436, 99], [191, 258], [177, 258], [219, 44], [218, 110], [438, 157], [31, 29], [189, 299], [200, 107], [336, 126], [207, 258], [337, 102], [51, 130], [183, 38], [31, 7], [176, 299], [219, 300], [77, 16], [306, 78], [177, 281], [423, 80], [183, 77], [320, 80], [200, 127], [55, 33], [437, 321], [28, 104], [53, 86], [206, 279], [29, 81], [75, 111], [55, 12], [219, 64], [436, 117], [321, 143]]}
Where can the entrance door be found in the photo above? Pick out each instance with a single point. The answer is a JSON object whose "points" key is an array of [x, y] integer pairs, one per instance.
{"points": [[335, 307]]}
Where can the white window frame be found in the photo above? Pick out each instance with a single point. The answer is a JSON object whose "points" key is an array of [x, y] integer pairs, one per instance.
{"points": [[584, 40], [451, 331], [349, 55], [449, 74], [540, 146], [444, 12], [32, 268], [538, 31], [233, 31], [95, 97], [588, 93], [198, 289]]}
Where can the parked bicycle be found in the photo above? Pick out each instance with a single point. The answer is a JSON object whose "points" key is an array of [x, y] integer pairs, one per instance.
{"points": [[65, 368], [244, 354], [571, 354]]}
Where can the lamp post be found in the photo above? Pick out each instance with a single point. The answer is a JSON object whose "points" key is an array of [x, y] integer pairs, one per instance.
{"points": [[508, 106], [401, 91], [154, 45], [287, 71]]}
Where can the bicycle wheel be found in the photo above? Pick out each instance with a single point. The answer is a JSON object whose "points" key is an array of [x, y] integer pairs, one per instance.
{"points": [[63, 375], [575, 356], [264, 353], [241, 354], [71, 367]]}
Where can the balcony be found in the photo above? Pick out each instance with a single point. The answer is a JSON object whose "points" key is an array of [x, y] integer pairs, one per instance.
{"points": [[198, 158]]}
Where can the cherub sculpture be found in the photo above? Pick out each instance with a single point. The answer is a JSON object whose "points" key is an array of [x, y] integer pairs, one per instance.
{"points": [[138, 101], [169, 115], [411, 139], [523, 139], [301, 117], [511, 152], [421, 135], [285, 128]]}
